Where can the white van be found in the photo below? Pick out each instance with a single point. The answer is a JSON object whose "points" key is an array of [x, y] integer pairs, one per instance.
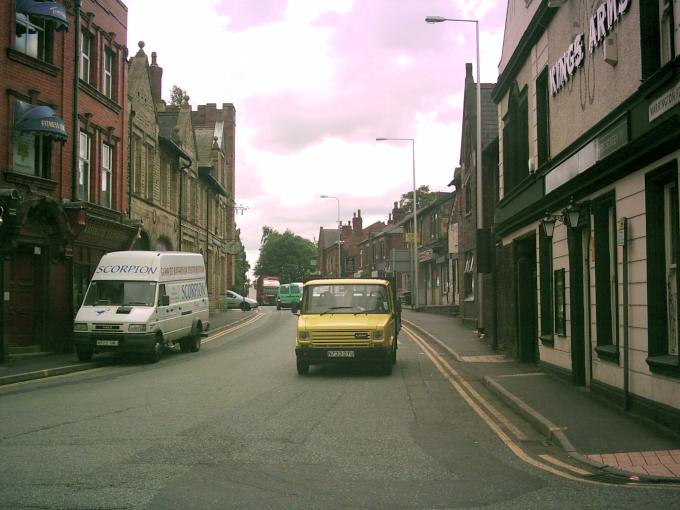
{"points": [[141, 301]]}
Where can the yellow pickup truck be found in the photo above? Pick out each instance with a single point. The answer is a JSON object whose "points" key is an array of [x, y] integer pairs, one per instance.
{"points": [[348, 320]]}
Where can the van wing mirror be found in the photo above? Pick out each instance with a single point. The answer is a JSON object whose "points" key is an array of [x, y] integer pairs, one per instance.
{"points": [[165, 300]]}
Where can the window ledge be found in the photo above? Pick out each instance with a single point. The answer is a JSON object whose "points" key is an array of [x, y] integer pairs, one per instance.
{"points": [[548, 340], [469, 299], [37, 183], [33, 62], [92, 91], [665, 365], [608, 352]]}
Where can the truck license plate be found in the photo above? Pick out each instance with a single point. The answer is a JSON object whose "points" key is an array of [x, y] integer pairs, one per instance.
{"points": [[108, 343], [340, 354]]}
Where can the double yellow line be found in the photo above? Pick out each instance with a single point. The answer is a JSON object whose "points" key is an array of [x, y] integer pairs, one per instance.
{"points": [[233, 327], [493, 417]]}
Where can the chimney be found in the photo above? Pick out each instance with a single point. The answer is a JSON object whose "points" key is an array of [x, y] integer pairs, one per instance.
{"points": [[156, 78], [397, 215], [357, 222]]}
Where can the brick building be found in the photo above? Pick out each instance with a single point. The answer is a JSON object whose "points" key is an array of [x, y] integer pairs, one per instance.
{"points": [[63, 154]]}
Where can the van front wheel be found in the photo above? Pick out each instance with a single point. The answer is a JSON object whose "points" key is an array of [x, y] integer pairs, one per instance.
{"points": [[156, 350], [84, 354]]}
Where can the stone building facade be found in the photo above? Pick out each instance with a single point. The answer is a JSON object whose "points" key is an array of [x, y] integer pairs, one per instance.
{"points": [[182, 175]]}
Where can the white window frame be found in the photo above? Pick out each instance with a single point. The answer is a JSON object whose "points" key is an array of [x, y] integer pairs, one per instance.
{"points": [[109, 58], [24, 44], [85, 56], [84, 154], [107, 171]]}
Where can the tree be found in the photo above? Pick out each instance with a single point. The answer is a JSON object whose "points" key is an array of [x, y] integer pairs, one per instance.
{"points": [[287, 255], [424, 195], [178, 96], [242, 266]]}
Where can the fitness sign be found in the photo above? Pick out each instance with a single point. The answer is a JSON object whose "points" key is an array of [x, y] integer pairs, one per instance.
{"points": [[601, 24]]}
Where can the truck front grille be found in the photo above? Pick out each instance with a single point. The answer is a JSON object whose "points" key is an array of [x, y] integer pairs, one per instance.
{"points": [[341, 338]]}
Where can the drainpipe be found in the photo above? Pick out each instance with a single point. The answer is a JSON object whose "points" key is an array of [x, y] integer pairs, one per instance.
{"points": [[129, 163], [182, 170], [76, 80], [207, 234], [623, 242]]}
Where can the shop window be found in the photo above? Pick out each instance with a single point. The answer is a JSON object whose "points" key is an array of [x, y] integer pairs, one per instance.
{"points": [[86, 44], [661, 196], [32, 154], [84, 167], [34, 36], [546, 272], [469, 277], [107, 168], [560, 303], [604, 226], [543, 117]]}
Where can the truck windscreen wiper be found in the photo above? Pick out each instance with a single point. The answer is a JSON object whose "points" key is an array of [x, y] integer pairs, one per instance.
{"points": [[330, 310]]}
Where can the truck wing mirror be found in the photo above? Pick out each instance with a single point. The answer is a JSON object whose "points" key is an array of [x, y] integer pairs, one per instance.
{"points": [[165, 300]]}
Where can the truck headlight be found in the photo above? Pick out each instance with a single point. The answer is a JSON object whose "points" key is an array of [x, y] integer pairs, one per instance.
{"points": [[137, 328], [377, 335], [80, 326], [303, 335]]}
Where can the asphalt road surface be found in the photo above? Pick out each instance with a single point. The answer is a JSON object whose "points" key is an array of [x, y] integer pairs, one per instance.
{"points": [[234, 426]]}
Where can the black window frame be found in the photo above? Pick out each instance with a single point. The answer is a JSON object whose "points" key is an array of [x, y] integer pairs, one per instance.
{"points": [[606, 266], [543, 117], [659, 359]]}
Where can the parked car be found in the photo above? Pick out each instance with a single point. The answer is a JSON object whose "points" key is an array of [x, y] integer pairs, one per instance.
{"points": [[235, 300]]}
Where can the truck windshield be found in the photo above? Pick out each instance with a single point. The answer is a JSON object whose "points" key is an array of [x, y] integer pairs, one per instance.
{"points": [[345, 299], [120, 293]]}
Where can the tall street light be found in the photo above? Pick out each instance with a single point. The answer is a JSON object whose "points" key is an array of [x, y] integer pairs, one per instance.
{"points": [[415, 216], [480, 218], [339, 231]]}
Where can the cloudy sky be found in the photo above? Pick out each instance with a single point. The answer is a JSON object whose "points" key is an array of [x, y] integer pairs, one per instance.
{"points": [[314, 82]]}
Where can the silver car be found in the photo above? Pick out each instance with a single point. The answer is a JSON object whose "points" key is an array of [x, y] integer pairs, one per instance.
{"points": [[235, 300]]}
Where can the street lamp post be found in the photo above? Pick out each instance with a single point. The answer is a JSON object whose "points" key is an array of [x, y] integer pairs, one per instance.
{"points": [[339, 238], [415, 217], [480, 217]]}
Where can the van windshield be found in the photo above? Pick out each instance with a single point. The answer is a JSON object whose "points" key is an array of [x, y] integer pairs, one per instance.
{"points": [[348, 298], [120, 293]]}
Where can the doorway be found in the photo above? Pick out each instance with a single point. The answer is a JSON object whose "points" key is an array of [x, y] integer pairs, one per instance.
{"points": [[527, 316]]}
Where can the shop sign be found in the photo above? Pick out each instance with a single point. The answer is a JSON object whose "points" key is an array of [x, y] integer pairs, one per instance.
{"points": [[601, 24], [425, 255], [665, 102]]}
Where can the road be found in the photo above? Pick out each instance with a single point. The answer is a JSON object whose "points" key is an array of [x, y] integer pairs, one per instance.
{"points": [[234, 426]]}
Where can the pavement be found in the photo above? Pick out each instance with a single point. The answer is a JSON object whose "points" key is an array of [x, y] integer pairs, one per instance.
{"points": [[26, 367], [589, 428]]}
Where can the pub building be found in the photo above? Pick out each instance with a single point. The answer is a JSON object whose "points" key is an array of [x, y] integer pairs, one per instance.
{"points": [[588, 100]]}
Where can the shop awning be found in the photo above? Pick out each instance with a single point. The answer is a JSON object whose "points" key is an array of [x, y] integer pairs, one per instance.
{"points": [[39, 120], [51, 11]]}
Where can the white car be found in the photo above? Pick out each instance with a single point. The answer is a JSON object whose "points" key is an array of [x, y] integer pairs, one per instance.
{"points": [[238, 301]]}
